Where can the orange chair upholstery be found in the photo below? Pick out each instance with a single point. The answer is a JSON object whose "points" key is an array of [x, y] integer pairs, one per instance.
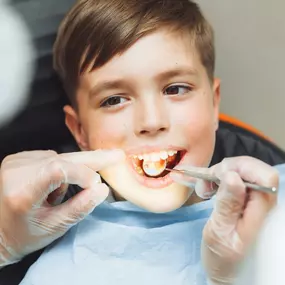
{"points": [[236, 122]]}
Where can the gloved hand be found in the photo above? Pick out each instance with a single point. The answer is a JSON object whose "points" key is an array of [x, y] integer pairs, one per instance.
{"points": [[238, 213], [28, 219]]}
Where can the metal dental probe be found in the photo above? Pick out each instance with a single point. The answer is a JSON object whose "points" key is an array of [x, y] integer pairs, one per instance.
{"points": [[216, 180]]}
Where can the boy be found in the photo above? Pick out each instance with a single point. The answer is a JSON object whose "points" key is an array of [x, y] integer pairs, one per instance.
{"points": [[140, 77]]}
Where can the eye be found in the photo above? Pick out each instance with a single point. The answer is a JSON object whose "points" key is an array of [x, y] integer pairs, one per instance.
{"points": [[113, 101], [177, 90]]}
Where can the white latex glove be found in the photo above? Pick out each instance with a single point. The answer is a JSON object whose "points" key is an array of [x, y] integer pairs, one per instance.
{"points": [[238, 214], [28, 220]]}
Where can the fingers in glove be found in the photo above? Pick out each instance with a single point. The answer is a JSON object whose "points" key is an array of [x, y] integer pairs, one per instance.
{"points": [[231, 199], [60, 172], [56, 197], [78, 207], [220, 232], [248, 168], [95, 160]]}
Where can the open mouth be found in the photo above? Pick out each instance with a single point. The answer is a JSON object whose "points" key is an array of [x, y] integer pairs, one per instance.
{"points": [[153, 165]]}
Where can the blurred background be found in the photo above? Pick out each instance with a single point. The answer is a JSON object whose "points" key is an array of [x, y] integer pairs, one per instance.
{"points": [[250, 41]]}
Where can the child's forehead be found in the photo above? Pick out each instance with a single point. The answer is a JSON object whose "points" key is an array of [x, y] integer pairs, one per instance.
{"points": [[158, 55]]}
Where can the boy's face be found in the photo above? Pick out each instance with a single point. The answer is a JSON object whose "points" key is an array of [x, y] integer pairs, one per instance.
{"points": [[153, 99]]}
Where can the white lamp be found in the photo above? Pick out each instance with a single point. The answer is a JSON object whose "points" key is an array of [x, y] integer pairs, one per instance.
{"points": [[16, 62]]}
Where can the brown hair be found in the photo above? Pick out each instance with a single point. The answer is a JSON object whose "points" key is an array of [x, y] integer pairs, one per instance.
{"points": [[94, 31]]}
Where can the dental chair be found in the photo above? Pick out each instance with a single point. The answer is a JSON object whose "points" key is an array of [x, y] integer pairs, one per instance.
{"points": [[236, 138], [40, 126]]}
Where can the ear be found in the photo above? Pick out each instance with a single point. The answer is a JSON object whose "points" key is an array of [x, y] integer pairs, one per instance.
{"points": [[216, 100], [73, 123]]}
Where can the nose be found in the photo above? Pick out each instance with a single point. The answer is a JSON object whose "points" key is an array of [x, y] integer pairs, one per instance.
{"points": [[152, 118]]}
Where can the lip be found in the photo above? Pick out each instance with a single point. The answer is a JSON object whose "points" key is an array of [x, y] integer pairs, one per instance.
{"points": [[154, 183]]}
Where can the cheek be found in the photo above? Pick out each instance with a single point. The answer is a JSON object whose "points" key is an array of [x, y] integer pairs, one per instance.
{"points": [[196, 121], [196, 115], [107, 131]]}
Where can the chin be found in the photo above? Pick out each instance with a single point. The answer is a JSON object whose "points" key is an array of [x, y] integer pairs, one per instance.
{"points": [[155, 195]]}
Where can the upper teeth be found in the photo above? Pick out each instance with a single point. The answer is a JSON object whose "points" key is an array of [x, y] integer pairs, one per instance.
{"points": [[156, 156]]}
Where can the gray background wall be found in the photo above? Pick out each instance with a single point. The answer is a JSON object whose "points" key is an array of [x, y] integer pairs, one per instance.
{"points": [[250, 41]]}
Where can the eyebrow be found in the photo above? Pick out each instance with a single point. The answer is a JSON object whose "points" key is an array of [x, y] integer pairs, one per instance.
{"points": [[175, 73], [106, 85], [121, 83]]}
